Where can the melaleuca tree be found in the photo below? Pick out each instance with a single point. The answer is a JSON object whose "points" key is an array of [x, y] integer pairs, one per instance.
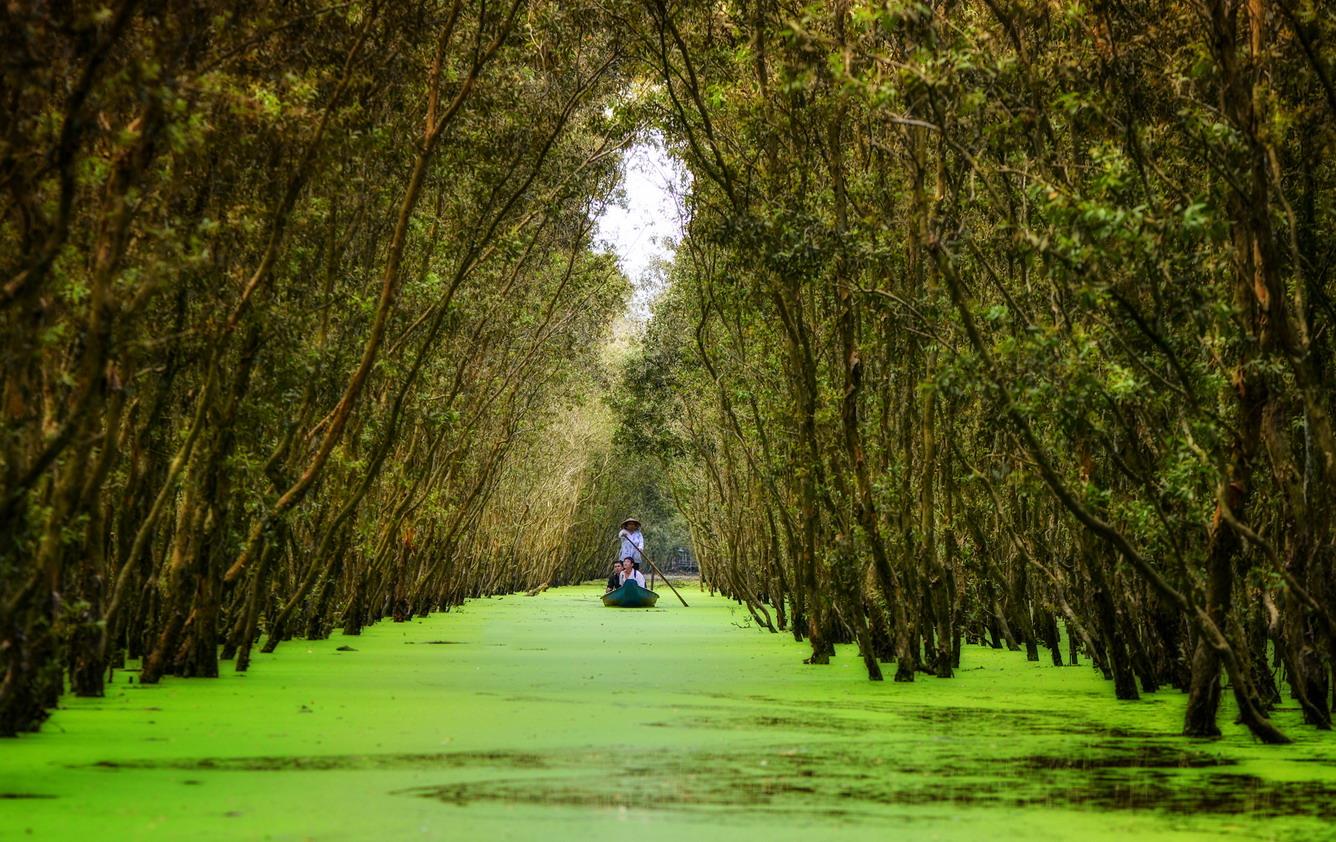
{"points": [[1008, 316], [288, 294]]}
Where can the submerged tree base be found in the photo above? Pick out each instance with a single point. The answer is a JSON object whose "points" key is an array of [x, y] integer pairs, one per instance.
{"points": [[550, 717]]}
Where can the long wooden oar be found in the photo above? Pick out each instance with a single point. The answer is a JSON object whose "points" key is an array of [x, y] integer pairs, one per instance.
{"points": [[660, 572]]}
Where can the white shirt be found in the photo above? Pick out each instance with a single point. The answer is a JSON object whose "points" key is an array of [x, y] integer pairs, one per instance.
{"points": [[634, 575], [632, 544]]}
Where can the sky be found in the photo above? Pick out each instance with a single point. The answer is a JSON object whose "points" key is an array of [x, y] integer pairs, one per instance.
{"points": [[644, 225]]}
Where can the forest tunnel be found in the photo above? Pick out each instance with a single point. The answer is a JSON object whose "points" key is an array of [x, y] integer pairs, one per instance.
{"points": [[986, 322]]}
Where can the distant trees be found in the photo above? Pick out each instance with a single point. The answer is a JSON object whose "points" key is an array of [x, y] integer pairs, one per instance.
{"points": [[994, 316]]}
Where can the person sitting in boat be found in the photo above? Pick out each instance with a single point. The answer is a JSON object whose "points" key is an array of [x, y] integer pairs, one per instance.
{"points": [[615, 579], [633, 543], [630, 573]]}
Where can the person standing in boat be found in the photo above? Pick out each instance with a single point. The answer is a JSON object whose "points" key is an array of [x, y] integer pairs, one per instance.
{"points": [[633, 543], [630, 573]]}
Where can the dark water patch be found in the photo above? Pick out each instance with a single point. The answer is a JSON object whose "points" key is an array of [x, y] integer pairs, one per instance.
{"points": [[1120, 757], [1030, 723], [852, 780], [527, 700], [339, 762], [1131, 733], [733, 717], [812, 724], [25, 796], [925, 721], [953, 717], [1220, 794], [821, 797], [674, 782], [1321, 761]]}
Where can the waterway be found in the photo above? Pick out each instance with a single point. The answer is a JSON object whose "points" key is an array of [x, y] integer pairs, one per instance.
{"points": [[553, 718]]}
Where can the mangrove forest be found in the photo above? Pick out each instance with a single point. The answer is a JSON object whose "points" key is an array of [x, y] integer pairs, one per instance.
{"points": [[945, 389]]}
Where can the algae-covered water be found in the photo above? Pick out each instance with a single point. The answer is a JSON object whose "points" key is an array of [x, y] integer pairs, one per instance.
{"points": [[553, 718]]}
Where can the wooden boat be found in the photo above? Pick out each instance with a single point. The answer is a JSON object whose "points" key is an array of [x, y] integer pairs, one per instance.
{"points": [[630, 595]]}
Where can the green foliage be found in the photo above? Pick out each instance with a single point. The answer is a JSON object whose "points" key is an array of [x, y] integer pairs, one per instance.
{"points": [[1026, 281]]}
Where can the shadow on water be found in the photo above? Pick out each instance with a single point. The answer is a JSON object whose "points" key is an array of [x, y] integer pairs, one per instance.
{"points": [[845, 778], [1139, 757], [848, 782], [340, 762]]}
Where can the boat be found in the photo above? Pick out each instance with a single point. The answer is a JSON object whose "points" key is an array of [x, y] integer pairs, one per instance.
{"points": [[630, 595]]}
